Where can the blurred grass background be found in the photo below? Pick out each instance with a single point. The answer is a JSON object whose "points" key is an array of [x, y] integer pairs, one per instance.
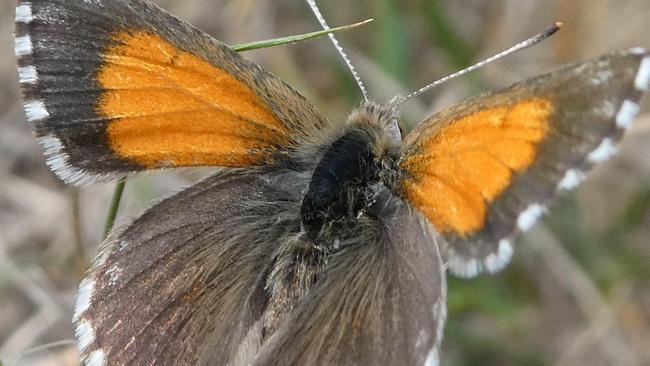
{"points": [[578, 290]]}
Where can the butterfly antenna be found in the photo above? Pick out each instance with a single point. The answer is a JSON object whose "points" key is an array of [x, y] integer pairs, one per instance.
{"points": [[518, 47], [323, 23]]}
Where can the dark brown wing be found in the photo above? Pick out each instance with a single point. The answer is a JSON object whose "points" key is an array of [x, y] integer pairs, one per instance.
{"points": [[377, 303], [173, 287], [485, 169]]}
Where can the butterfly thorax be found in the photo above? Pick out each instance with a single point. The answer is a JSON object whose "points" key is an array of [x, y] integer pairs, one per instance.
{"points": [[349, 176]]}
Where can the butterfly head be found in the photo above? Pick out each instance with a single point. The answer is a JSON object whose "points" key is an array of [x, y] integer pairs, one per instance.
{"points": [[384, 116]]}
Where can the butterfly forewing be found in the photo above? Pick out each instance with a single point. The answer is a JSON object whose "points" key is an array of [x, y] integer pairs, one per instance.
{"points": [[485, 169], [122, 86]]}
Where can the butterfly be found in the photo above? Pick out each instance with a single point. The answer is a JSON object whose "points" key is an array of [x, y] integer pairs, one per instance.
{"points": [[315, 242]]}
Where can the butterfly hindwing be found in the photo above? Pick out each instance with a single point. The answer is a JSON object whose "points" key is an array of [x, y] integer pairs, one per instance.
{"points": [[122, 86], [380, 302], [190, 282], [177, 285], [485, 169]]}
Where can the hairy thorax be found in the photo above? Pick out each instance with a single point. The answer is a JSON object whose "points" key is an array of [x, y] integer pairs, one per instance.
{"points": [[348, 179]]}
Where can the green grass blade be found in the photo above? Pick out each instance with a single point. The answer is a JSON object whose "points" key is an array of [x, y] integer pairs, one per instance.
{"points": [[115, 205], [295, 38]]}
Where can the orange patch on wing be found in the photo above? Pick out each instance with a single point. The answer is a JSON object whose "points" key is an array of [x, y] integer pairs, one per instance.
{"points": [[172, 108], [461, 167]]}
